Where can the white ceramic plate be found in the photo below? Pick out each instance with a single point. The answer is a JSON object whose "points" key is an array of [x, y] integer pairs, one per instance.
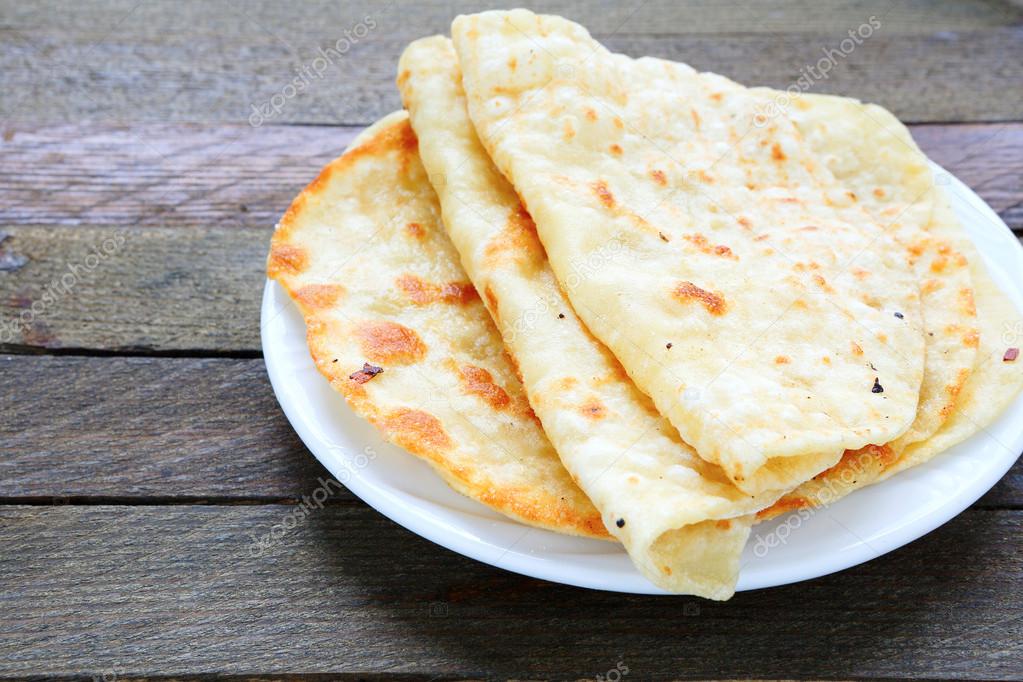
{"points": [[860, 527]]}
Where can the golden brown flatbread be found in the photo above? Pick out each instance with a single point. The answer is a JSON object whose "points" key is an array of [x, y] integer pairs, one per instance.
{"points": [[396, 327]]}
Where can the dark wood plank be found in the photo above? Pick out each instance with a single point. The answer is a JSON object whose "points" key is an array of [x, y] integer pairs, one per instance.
{"points": [[131, 289], [177, 429], [161, 175], [176, 590], [236, 176], [149, 428], [988, 158], [213, 61], [198, 289], [91, 20]]}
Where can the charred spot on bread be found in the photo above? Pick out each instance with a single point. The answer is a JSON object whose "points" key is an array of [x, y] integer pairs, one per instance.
{"points": [[389, 342], [367, 372], [714, 303], [479, 382], [425, 293]]}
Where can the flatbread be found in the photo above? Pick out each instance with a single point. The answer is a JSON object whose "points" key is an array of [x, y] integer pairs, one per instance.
{"points": [[742, 258], [992, 385], [994, 382], [363, 254], [874, 156], [682, 521]]}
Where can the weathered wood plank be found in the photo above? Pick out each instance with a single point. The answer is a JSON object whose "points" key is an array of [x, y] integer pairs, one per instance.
{"points": [[988, 158], [215, 61], [133, 288], [147, 427], [92, 20], [177, 590], [172, 428], [198, 289], [228, 176], [162, 175]]}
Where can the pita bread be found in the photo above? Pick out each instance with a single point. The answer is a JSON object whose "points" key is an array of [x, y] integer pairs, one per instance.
{"points": [[363, 254], [681, 520], [742, 258]]}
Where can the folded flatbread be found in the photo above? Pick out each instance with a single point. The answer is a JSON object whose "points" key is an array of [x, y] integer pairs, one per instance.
{"points": [[682, 521], [966, 384], [873, 154], [714, 256], [992, 385], [396, 327]]}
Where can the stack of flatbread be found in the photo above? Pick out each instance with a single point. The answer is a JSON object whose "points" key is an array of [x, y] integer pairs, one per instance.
{"points": [[623, 299]]}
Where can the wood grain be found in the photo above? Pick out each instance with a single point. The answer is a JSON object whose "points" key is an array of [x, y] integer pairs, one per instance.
{"points": [[134, 289], [153, 428], [174, 430], [210, 62], [136, 202], [176, 590], [988, 158], [198, 289], [161, 175], [93, 20]]}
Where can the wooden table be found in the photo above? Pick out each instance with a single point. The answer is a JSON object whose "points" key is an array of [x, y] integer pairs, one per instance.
{"points": [[141, 447]]}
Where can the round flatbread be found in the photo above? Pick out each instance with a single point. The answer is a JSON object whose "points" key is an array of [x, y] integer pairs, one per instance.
{"points": [[395, 326]]}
